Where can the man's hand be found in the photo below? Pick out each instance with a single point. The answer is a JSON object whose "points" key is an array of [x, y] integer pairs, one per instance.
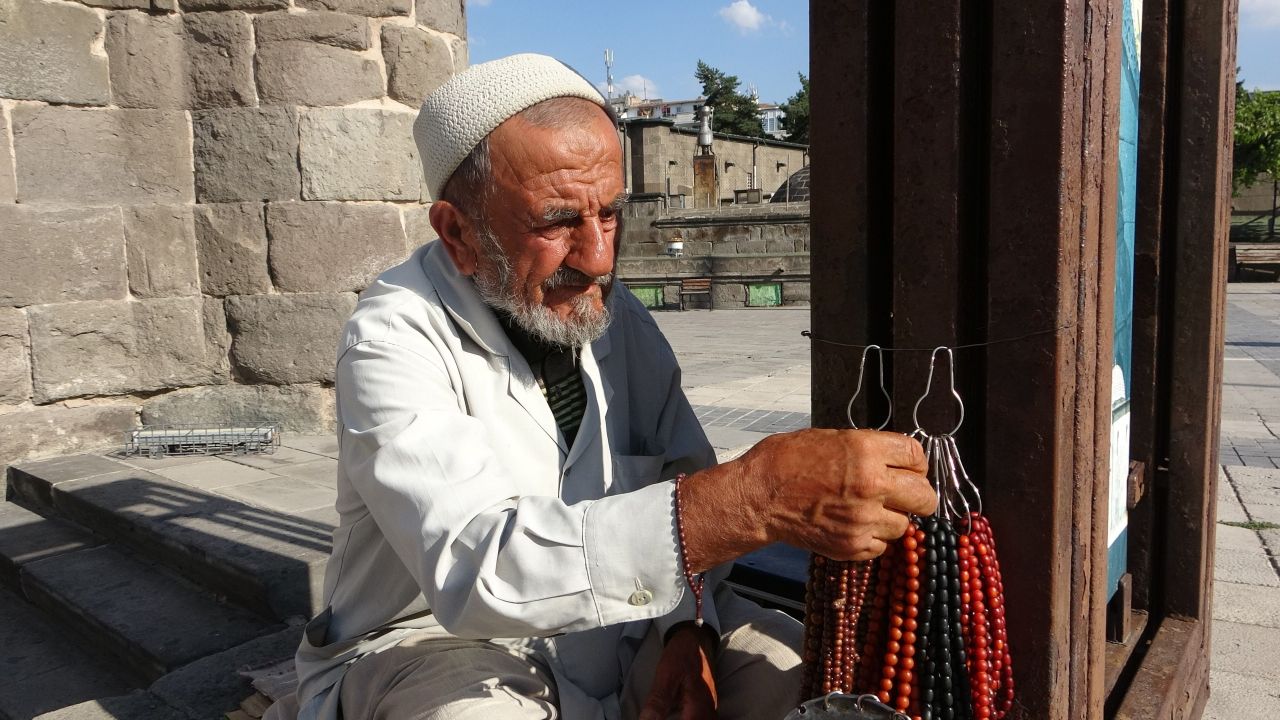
{"points": [[845, 494], [683, 684]]}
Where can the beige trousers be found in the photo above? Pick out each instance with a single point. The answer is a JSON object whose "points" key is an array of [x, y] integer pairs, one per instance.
{"points": [[757, 675]]}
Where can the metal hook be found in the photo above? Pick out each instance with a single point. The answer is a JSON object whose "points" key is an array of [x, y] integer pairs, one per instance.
{"points": [[928, 386], [862, 369], [964, 474]]}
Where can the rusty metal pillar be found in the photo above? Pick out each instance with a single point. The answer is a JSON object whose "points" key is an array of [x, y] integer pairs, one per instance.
{"points": [[965, 193]]}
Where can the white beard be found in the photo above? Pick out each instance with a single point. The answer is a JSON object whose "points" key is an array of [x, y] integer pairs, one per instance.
{"points": [[501, 290]]}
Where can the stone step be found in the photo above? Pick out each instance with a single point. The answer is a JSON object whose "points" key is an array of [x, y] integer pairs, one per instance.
{"points": [[137, 705], [26, 537], [269, 561], [45, 669], [151, 621]]}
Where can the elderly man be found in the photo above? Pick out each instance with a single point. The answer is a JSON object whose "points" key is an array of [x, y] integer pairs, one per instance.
{"points": [[527, 501]]}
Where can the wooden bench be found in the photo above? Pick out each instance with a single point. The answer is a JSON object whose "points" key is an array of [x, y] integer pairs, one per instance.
{"points": [[696, 286], [1242, 254]]}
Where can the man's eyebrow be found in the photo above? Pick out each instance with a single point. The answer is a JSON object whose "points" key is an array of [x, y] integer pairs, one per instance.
{"points": [[558, 213], [619, 201]]}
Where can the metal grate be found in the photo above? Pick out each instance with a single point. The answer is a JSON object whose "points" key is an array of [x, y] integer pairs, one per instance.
{"points": [[203, 439]]}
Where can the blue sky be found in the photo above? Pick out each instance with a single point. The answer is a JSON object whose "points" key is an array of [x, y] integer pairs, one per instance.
{"points": [[656, 43]]}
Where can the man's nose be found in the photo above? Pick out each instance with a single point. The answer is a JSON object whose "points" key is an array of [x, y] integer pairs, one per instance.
{"points": [[592, 251]]}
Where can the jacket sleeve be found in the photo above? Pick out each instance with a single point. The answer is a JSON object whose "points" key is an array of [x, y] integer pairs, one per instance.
{"points": [[489, 562]]}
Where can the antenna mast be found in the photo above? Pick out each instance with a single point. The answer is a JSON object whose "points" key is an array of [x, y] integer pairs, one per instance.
{"points": [[608, 71]]}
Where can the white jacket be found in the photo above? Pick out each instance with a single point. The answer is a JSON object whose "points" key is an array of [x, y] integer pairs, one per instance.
{"points": [[463, 511]]}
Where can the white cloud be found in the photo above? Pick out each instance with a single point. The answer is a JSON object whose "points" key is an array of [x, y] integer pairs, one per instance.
{"points": [[636, 85], [1264, 13], [744, 16]]}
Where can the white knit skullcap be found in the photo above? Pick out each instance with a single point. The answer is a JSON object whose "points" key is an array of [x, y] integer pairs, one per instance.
{"points": [[464, 110]]}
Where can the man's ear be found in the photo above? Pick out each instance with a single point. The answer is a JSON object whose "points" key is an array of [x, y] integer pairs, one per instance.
{"points": [[454, 229]]}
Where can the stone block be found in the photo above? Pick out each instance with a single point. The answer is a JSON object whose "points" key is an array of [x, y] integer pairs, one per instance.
{"points": [[155, 623], [232, 243], [8, 189], [119, 4], [671, 296], [371, 8], [750, 247], [729, 294], [698, 249], [216, 337], [795, 292], [196, 5], [417, 63], [61, 255], [329, 28], [161, 248], [147, 60], [286, 339], [448, 16], [332, 247], [417, 225], [54, 430], [47, 52], [137, 705], [214, 684], [307, 73], [461, 57], [110, 348], [780, 245], [15, 357], [359, 154], [102, 157], [219, 59], [246, 154], [298, 408]]}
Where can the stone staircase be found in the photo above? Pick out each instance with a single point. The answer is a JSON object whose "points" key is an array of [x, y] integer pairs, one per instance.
{"points": [[127, 594]]}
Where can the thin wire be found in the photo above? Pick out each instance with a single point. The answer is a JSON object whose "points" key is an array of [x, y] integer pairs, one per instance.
{"points": [[884, 348]]}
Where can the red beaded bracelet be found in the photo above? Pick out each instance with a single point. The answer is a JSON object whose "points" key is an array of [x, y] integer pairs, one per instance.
{"points": [[695, 580]]}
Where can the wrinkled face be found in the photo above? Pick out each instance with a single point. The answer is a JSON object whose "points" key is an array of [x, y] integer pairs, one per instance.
{"points": [[547, 253]]}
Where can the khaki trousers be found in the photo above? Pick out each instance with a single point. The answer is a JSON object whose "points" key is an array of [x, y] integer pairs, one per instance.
{"points": [[757, 675]]}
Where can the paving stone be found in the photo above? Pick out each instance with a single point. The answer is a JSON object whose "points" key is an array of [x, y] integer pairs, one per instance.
{"points": [[298, 408], [214, 474], [323, 471], [329, 28], [95, 348], [1245, 649], [278, 461], [232, 245], [286, 495], [1233, 696], [196, 5], [359, 154], [26, 537], [1237, 538], [371, 8], [1246, 604], [47, 53], [214, 685], [8, 190], [219, 59], [61, 255], [448, 16], [137, 705], [45, 431], [332, 247], [15, 357], [1242, 566], [326, 445], [417, 61], [286, 339], [246, 154], [102, 157], [153, 623], [307, 73], [147, 55], [160, 246], [44, 669]]}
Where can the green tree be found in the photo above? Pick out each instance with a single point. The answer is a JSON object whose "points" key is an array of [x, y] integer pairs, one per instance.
{"points": [[735, 113], [796, 120], [1257, 136]]}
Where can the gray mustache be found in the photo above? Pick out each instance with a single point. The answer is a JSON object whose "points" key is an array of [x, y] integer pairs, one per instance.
{"points": [[568, 276]]}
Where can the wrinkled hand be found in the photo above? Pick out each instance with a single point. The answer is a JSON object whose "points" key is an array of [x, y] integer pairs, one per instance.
{"points": [[683, 685]]}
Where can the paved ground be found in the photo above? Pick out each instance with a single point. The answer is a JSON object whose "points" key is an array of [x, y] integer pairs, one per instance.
{"points": [[747, 375]]}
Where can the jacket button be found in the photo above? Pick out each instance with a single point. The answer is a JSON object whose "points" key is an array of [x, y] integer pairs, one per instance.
{"points": [[640, 597]]}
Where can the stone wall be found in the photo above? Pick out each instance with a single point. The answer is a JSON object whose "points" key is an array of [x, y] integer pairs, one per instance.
{"points": [[657, 150], [192, 192]]}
